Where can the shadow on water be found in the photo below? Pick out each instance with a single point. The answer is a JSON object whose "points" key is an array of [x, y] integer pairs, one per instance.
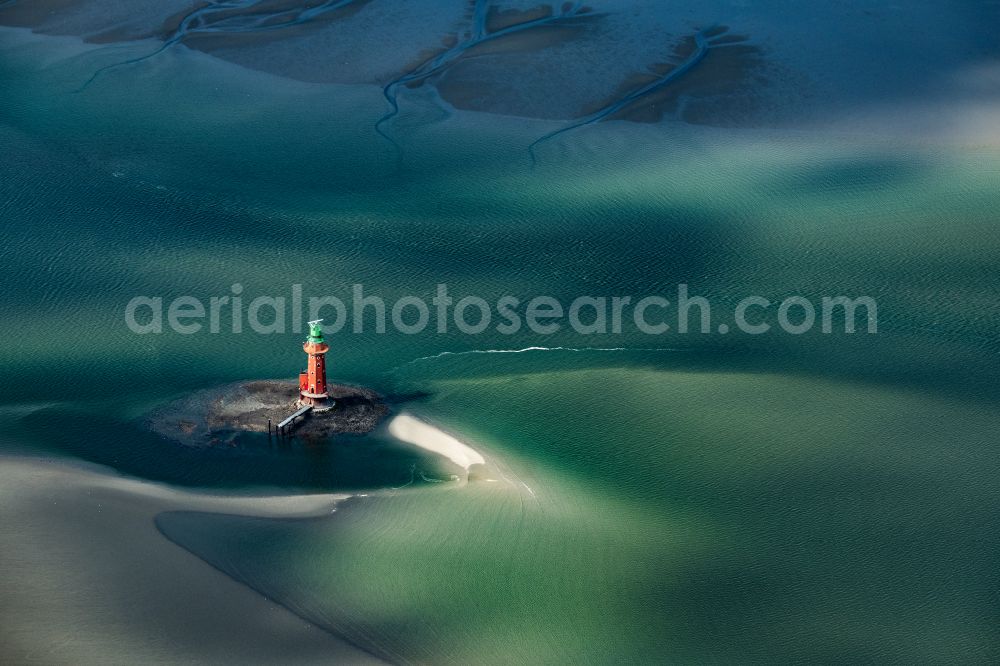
{"points": [[857, 173], [237, 460]]}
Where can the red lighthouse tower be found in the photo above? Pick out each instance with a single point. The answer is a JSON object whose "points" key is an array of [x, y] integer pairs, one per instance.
{"points": [[312, 382]]}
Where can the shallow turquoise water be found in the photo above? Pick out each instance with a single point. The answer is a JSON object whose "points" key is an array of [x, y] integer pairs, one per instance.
{"points": [[693, 498]]}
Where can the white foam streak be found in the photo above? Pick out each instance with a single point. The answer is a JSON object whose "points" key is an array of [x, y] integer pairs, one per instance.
{"points": [[540, 349]]}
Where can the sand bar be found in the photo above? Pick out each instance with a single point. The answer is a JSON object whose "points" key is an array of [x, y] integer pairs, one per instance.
{"points": [[414, 431], [88, 578]]}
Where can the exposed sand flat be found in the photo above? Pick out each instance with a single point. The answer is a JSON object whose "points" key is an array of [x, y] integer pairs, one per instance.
{"points": [[564, 61], [97, 21], [88, 579], [414, 431]]}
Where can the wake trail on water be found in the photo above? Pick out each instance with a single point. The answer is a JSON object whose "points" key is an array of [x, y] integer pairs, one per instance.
{"points": [[524, 350]]}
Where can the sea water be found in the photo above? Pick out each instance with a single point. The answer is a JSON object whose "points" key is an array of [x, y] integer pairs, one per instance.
{"points": [[680, 497]]}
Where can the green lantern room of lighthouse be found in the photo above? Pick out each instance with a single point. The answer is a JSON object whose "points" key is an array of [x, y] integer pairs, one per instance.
{"points": [[315, 332]]}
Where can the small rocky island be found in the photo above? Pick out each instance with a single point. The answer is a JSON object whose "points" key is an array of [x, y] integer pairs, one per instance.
{"points": [[218, 415]]}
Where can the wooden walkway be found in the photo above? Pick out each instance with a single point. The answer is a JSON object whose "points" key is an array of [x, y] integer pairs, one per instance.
{"points": [[294, 416]]}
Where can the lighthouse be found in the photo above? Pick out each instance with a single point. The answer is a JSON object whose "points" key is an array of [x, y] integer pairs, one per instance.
{"points": [[312, 382]]}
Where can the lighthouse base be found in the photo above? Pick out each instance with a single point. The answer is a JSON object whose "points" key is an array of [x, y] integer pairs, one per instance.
{"points": [[320, 402]]}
